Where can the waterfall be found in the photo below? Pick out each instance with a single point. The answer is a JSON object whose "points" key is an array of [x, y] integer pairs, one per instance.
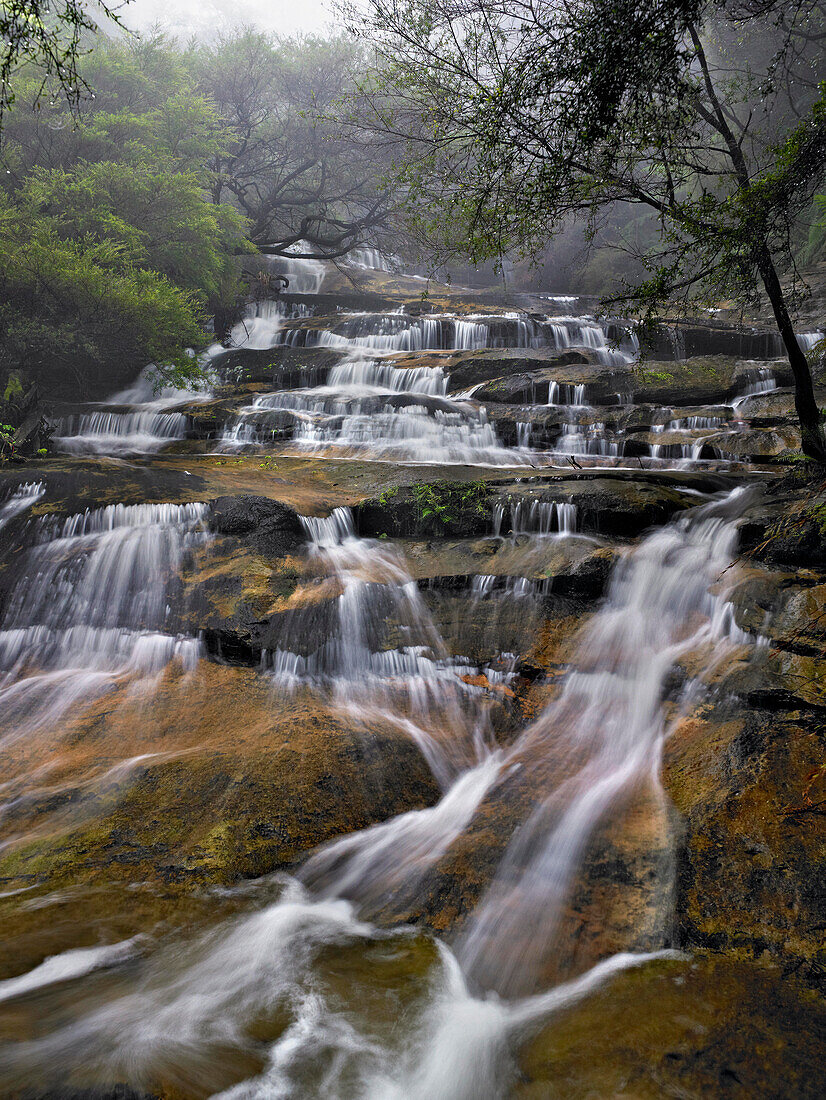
{"points": [[90, 603], [305, 276], [118, 433], [565, 393], [578, 761], [692, 423], [590, 439], [260, 326], [372, 409], [372, 259], [146, 428], [373, 374], [374, 645], [539, 517], [398, 332], [604, 733], [22, 498], [760, 380]]}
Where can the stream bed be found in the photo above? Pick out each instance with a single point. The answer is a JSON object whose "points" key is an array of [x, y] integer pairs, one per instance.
{"points": [[413, 713]]}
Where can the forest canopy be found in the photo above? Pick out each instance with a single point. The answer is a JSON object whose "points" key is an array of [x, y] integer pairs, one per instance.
{"points": [[123, 215]]}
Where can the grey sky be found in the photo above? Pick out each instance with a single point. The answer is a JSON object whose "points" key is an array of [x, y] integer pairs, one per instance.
{"points": [[203, 16]]}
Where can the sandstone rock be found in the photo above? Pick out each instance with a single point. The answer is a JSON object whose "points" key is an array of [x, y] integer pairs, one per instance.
{"points": [[701, 1027]]}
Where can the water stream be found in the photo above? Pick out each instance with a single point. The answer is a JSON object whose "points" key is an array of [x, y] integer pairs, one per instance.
{"points": [[409, 954], [251, 1009], [90, 605]]}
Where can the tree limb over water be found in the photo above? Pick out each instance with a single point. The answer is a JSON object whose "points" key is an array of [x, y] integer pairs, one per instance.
{"points": [[516, 115]]}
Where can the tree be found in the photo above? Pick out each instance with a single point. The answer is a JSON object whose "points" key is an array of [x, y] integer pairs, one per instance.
{"points": [[112, 252], [308, 186], [521, 114], [48, 34], [75, 309]]}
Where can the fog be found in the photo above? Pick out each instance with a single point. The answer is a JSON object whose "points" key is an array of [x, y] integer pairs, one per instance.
{"points": [[202, 17]]}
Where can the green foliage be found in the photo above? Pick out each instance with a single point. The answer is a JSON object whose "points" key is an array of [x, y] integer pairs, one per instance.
{"points": [[48, 34], [445, 500], [14, 387], [818, 515], [81, 302], [7, 445], [124, 253], [656, 376], [519, 119], [815, 249]]}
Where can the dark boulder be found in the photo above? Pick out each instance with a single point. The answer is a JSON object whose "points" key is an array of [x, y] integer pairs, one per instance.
{"points": [[271, 527]]}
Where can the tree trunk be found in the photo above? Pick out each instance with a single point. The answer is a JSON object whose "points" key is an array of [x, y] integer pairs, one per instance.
{"points": [[808, 412]]}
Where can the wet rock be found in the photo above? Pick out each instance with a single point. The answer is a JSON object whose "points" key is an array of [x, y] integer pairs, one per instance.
{"points": [[698, 380], [587, 578], [278, 366], [223, 781], [701, 1027], [103, 1092], [271, 527], [620, 505], [754, 442], [750, 861], [765, 410], [796, 537], [438, 508], [687, 339], [514, 376]]}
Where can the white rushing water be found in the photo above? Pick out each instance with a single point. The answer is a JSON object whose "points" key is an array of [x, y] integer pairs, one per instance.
{"points": [[149, 425], [400, 332], [90, 604], [535, 517], [20, 500], [139, 432], [604, 732], [375, 647], [188, 1009], [372, 409]]}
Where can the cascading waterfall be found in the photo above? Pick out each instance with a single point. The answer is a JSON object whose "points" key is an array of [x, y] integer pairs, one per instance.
{"points": [[562, 393], [20, 500], [378, 650], [150, 424], [372, 259], [759, 380], [372, 409], [537, 517], [401, 333], [604, 733], [692, 423], [90, 604], [587, 439], [185, 1001], [304, 276], [118, 433]]}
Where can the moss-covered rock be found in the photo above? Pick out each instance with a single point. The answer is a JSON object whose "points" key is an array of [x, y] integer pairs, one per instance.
{"points": [[705, 1027]]}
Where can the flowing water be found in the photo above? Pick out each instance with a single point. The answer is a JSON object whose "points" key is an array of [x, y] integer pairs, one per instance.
{"points": [[148, 426], [254, 998], [91, 605], [317, 982]]}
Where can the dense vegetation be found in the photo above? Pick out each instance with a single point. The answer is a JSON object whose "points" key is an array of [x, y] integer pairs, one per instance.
{"points": [[122, 216]]}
